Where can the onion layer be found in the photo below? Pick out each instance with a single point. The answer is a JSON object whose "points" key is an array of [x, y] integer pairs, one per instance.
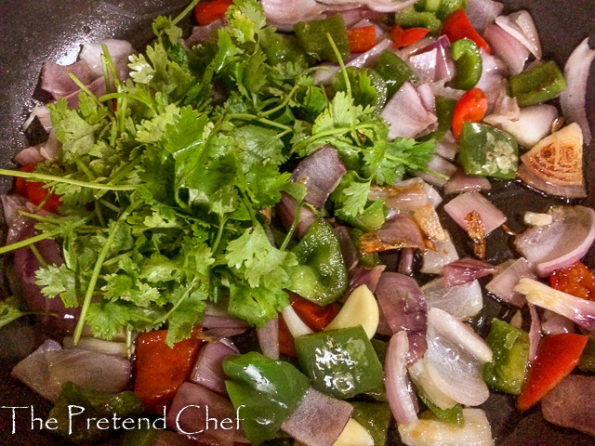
{"points": [[399, 391]]}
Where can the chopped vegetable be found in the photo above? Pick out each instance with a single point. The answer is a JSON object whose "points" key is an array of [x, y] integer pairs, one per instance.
{"points": [[209, 11], [576, 279], [321, 276], [375, 417], [35, 191], [587, 361], [405, 37], [91, 405], [312, 37], [161, 369], [394, 71], [452, 415], [361, 39], [488, 151], [471, 107], [341, 363], [354, 434], [360, 308], [510, 346], [367, 86], [410, 17], [315, 316], [468, 64], [457, 26], [268, 390], [556, 357], [538, 84]]}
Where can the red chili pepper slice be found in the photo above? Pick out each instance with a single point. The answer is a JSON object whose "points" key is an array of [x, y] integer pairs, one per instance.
{"points": [[457, 26], [405, 37], [471, 107], [576, 279], [208, 12], [361, 39]]}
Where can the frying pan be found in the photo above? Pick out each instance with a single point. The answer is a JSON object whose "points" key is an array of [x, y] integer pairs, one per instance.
{"points": [[36, 30]]}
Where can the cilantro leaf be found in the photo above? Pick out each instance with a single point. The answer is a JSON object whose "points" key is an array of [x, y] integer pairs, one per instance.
{"points": [[10, 311], [60, 281]]}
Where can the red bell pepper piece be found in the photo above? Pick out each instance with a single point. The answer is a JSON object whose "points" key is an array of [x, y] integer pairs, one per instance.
{"points": [[457, 26], [35, 192], [361, 39], [160, 369], [286, 341], [405, 37], [314, 316], [556, 357], [471, 107], [207, 12], [576, 279]]}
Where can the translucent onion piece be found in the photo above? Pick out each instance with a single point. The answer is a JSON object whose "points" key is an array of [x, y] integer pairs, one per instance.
{"points": [[399, 391], [520, 25], [444, 253], [459, 207], [461, 301]]}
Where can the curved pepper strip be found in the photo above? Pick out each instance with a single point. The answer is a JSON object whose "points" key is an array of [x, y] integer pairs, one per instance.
{"points": [[321, 277], [471, 107], [457, 26], [468, 64], [264, 391]]}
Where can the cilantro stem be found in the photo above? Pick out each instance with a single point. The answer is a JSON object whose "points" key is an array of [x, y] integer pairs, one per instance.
{"points": [[44, 177], [28, 242], [109, 205], [110, 96], [250, 117], [340, 61], [282, 104], [95, 276], [38, 255], [177, 304], [293, 226], [332, 132], [84, 88], [222, 222], [185, 12], [111, 66]]}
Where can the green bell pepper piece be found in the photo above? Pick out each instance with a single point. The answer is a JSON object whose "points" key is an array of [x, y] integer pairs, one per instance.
{"points": [[539, 84], [281, 48], [369, 260], [510, 347], [411, 18], [313, 40], [445, 108], [341, 363], [488, 151], [97, 405], [468, 64], [587, 361], [375, 417], [367, 86], [269, 391], [447, 7], [453, 415], [321, 276], [394, 71]]}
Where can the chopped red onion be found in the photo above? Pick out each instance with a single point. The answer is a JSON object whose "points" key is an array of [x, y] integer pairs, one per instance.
{"points": [[509, 49], [441, 89], [42, 113], [461, 182], [424, 63], [492, 81], [56, 81], [433, 62], [462, 301], [447, 148], [561, 243], [466, 270], [442, 166], [406, 261], [283, 14], [399, 391], [455, 358], [433, 195], [580, 311], [10, 206], [400, 231], [365, 276], [385, 5], [119, 50], [553, 323], [215, 334], [188, 413], [207, 370], [97, 345], [268, 338], [201, 34], [403, 196], [572, 100], [47, 369], [503, 283], [223, 322], [29, 155], [348, 248], [320, 173], [570, 404], [318, 419], [537, 183], [459, 207], [520, 25], [402, 302], [287, 208], [531, 125], [433, 261], [483, 12], [406, 114], [426, 93], [534, 332]]}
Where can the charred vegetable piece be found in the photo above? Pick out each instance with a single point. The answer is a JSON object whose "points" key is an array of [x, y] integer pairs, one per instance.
{"points": [[95, 405], [576, 279], [375, 417], [341, 363], [488, 151], [268, 390], [510, 347], [161, 369], [539, 84], [556, 357], [312, 37], [394, 71], [321, 277], [468, 64]]}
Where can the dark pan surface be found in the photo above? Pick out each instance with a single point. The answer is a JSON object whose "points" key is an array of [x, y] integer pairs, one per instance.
{"points": [[37, 30]]}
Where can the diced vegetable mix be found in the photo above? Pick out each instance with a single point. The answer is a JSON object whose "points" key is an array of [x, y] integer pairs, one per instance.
{"points": [[164, 191]]}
